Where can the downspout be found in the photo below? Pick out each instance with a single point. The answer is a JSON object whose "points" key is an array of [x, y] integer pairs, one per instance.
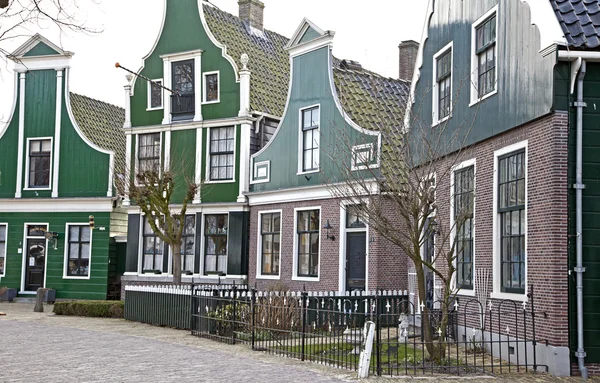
{"points": [[579, 186]]}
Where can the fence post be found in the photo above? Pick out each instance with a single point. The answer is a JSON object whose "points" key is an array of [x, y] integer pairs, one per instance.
{"points": [[233, 323], [191, 324], [253, 307], [534, 343], [303, 310], [378, 330]]}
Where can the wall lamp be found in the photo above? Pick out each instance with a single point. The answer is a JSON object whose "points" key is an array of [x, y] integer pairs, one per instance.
{"points": [[328, 227]]}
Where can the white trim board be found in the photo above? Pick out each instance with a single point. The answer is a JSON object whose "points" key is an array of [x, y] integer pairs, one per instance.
{"points": [[47, 205], [5, 224]]}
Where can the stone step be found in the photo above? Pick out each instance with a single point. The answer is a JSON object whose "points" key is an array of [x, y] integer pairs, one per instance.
{"points": [[24, 299]]}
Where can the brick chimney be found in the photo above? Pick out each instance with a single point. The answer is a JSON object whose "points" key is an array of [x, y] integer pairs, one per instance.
{"points": [[408, 57], [251, 11]]}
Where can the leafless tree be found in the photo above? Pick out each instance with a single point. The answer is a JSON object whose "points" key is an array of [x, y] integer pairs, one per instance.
{"points": [[398, 197]]}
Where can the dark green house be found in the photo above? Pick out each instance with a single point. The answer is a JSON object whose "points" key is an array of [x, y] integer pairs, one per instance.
{"points": [[59, 153], [227, 80]]}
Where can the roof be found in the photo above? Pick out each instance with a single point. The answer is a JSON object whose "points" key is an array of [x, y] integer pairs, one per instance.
{"points": [[371, 100], [580, 22], [269, 61], [102, 124]]}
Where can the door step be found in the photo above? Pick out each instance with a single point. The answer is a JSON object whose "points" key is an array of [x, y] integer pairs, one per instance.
{"points": [[24, 299]]}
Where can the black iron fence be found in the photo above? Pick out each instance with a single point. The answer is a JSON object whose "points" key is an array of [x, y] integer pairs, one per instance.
{"points": [[324, 327]]}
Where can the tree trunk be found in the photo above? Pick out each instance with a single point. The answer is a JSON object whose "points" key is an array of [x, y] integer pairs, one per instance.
{"points": [[39, 300], [176, 251], [435, 350]]}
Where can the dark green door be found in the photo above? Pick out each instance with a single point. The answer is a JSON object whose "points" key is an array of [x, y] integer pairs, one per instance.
{"points": [[356, 257], [36, 260]]}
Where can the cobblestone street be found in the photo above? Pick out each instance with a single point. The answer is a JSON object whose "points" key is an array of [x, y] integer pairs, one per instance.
{"points": [[42, 347]]}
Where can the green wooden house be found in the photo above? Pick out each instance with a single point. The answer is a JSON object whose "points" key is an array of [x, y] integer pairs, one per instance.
{"points": [[59, 153], [227, 79]]}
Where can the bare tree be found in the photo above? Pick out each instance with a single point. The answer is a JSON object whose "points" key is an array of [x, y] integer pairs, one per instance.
{"points": [[398, 197]]}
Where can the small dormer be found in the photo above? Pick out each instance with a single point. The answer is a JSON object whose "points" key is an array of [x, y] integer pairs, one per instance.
{"points": [[40, 53], [308, 37]]}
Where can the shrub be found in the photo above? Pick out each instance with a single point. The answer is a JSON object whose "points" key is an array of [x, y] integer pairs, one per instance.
{"points": [[98, 309]]}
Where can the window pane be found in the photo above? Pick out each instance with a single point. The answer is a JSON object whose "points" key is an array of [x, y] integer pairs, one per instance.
{"points": [[74, 251], [155, 94], [315, 117], [85, 250], [73, 233], [211, 262], [212, 87], [85, 233]]}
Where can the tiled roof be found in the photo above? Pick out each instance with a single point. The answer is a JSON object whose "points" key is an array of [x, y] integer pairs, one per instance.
{"points": [[370, 99], [102, 124], [580, 22], [269, 61]]}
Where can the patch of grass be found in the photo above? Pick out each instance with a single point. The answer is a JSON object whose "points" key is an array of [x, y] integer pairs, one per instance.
{"points": [[98, 309]]}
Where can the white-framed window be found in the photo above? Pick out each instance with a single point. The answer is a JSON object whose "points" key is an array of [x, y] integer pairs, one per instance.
{"points": [[181, 73], [155, 94], [261, 172], [462, 222], [510, 222], [269, 244], [216, 233], [363, 157], [221, 154], [78, 250], [309, 156], [188, 245], [153, 249], [39, 163], [3, 247], [149, 153], [442, 80], [484, 53], [307, 243], [210, 87]]}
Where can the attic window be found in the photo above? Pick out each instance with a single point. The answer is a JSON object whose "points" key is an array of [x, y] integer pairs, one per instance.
{"points": [[211, 87], [484, 56], [155, 94], [351, 65], [39, 163]]}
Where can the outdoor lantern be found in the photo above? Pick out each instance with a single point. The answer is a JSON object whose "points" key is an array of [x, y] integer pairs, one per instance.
{"points": [[328, 227], [92, 222]]}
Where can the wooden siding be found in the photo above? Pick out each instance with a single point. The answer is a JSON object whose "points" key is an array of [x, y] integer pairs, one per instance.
{"points": [[8, 159], [522, 71]]}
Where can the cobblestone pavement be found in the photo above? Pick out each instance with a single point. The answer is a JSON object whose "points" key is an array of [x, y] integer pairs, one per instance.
{"points": [[42, 347]]}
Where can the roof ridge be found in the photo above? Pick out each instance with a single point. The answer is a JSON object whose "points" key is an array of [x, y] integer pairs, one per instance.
{"points": [[370, 72]]}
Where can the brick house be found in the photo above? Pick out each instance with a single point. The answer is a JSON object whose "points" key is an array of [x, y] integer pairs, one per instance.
{"points": [[301, 234], [501, 76]]}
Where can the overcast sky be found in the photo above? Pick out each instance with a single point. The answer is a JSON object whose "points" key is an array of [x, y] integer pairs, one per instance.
{"points": [[366, 31]]}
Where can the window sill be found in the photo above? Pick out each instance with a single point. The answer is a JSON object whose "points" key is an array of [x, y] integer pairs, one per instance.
{"points": [[220, 182], [478, 100], [37, 189], [152, 109], [75, 278], [510, 296], [441, 121], [210, 102], [300, 173], [465, 292], [271, 277], [306, 279]]}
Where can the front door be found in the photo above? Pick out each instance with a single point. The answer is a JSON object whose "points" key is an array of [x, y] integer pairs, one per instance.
{"points": [[356, 256], [35, 253]]}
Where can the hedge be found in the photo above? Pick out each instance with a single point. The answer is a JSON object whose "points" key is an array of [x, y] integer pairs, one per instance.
{"points": [[99, 309]]}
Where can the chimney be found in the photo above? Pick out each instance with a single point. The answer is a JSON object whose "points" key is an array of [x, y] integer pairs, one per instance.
{"points": [[251, 11], [408, 57]]}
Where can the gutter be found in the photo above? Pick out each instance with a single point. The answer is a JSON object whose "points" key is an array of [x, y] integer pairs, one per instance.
{"points": [[580, 70]]}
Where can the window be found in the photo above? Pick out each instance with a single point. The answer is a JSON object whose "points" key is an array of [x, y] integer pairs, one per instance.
{"points": [[308, 225], [183, 100], [155, 94], [152, 250], [149, 153], [211, 87], [270, 233], [188, 241], [353, 217], [79, 250], [39, 163], [215, 239], [3, 235], [485, 49], [310, 139], [444, 80], [464, 192], [363, 156], [222, 145], [511, 208]]}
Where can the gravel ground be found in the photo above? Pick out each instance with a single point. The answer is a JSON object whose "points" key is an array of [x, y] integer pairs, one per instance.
{"points": [[78, 349]]}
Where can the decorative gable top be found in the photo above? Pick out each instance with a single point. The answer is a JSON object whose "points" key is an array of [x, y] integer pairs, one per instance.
{"points": [[580, 22], [307, 31], [38, 46]]}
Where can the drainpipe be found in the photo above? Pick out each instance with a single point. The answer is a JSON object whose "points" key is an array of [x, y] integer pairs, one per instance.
{"points": [[579, 186]]}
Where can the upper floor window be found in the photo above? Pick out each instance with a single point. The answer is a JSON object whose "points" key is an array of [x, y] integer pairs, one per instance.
{"points": [[152, 250], [149, 153], [442, 89], [3, 230], [310, 139], [39, 163], [211, 87], [483, 61], [463, 196], [79, 250], [183, 101], [155, 94], [511, 208], [308, 227], [222, 153], [215, 240]]}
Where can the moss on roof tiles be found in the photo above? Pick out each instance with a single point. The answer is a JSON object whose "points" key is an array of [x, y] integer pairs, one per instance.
{"points": [[102, 123]]}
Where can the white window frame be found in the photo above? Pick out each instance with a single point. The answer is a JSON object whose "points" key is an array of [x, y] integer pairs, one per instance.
{"points": [[66, 258], [137, 159], [29, 139], [207, 169], [435, 87], [301, 141], [455, 168], [259, 274], [24, 254], [204, 89], [141, 254], [369, 161], [170, 58], [206, 212], [162, 96], [257, 165], [497, 283], [295, 276], [5, 224], [474, 58]]}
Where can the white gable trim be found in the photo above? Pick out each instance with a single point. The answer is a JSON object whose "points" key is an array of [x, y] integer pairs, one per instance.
{"points": [[301, 30], [32, 42]]}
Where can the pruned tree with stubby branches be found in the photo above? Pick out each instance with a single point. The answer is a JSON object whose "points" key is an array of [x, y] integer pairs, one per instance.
{"points": [[399, 198]]}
